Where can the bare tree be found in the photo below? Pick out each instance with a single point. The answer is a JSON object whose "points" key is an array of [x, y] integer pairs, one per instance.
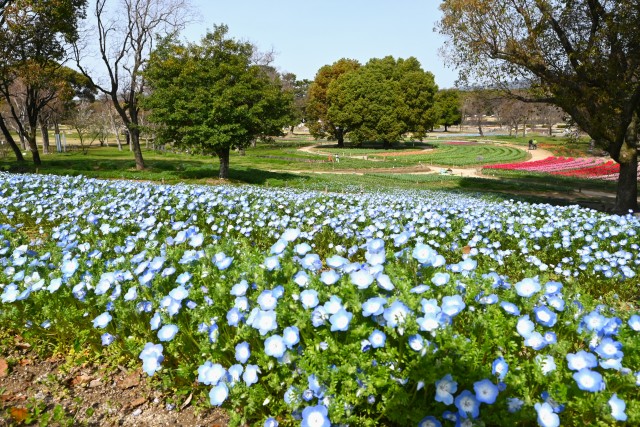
{"points": [[125, 38]]}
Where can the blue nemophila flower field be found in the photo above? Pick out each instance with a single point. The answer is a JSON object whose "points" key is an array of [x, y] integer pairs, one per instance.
{"points": [[304, 308]]}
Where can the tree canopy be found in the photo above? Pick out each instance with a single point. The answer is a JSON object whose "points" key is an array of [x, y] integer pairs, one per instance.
{"points": [[318, 121], [582, 56], [382, 100], [33, 39], [210, 97], [447, 106]]}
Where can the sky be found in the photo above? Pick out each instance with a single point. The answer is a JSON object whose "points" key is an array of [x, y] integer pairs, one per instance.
{"points": [[307, 34]]}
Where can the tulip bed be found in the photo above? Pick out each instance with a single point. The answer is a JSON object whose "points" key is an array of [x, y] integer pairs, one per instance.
{"points": [[303, 308], [591, 168]]}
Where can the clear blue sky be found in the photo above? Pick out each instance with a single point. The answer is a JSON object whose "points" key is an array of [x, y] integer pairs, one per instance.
{"points": [[309, 34]]}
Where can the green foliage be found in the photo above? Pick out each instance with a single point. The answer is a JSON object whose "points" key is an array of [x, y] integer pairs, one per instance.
{"points": [[209, 97], [448, 107], [382, 100]]}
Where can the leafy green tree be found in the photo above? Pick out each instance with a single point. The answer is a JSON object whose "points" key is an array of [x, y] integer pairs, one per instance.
{"points": [[382, 100], [582, 56], [318, 121], [33, 39], [211, 97], [447, 106]]}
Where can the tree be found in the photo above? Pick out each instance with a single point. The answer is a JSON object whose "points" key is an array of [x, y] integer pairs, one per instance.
{"points": [[300, 91], [211, 96], [383, 100], [33, 35], [447, 106], [125, 37], [318, 122], [582, 56]]}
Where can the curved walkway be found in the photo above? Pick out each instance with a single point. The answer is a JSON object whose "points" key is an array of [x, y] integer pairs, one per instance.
{"points": [[538, 154]]}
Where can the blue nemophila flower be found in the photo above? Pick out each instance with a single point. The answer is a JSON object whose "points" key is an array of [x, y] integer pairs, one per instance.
{"points": [[429, 322], [107, 339], [429, 421], [272, 263], [271, 422], [179, 293], [10, 293], [440, 279], [167, 332], [336, 261], [319, 316], [536, 341], [514, 404], [589, 380], [155, 321], [452, 305], [552, 287], [556, 302], [234, 374], [445, 388], [250, 375], [500, 367], [396, 314], [417, 343], [267, 300], [102, 320], [544, 316], [234, 316], [311, 262], [291, 336], [242, 352], [222, 261], [183, 278], [527, 287], [54, 285], [510, 308], [424, 254], [315, 416], [581, 360], [550, 337], [264, 322], [594, 321], [384, 282], [329, 277], [218, 394], [333, 305], [546, 416], [634, 322], [486, 391], [302, 248], [420, 289], [525, 326], [609, 349], [290, 234], [278, 247], [213, 332], [69, 267], [377, 339], [487, 299], [239, 289], [362, 279], [151, 356], [275, 346], [340, 320], [301, 279], [210, 373], [618, 407], [373, 306], [132, 294], [467, 404], [309, 298]]}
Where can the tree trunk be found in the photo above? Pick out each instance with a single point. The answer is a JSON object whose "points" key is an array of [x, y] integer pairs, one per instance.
{"points": [[480, 127], [134, 134], [446, 128], [44, 130], [340, 137], [223, 155], [23, 140], [33, 146], [9, 138], [627, 191]]}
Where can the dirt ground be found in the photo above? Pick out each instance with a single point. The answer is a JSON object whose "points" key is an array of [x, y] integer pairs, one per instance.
{"points": [[89, 396]]}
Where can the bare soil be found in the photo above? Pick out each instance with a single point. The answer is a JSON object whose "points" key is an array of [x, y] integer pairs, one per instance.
{"points": [[90, 396]]}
